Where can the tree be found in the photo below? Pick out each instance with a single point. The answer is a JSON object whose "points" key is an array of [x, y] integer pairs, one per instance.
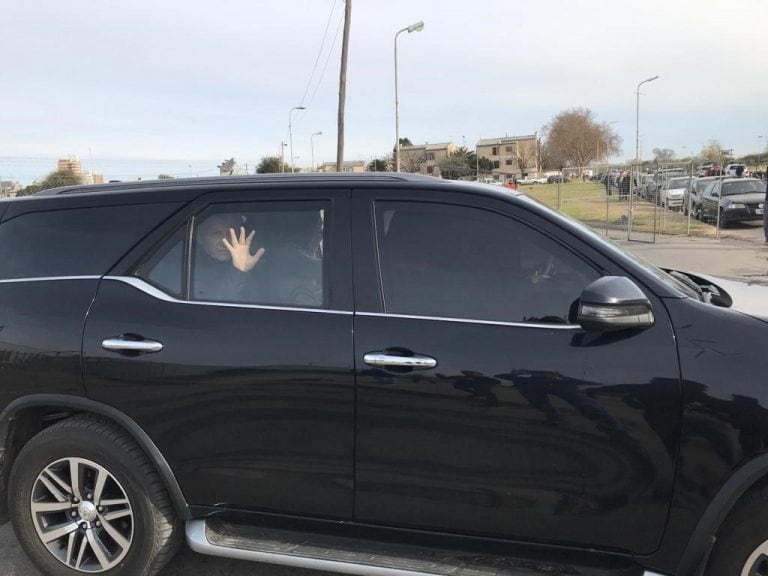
{"points": [[378, 165], [457, 165], [269, 165], [663, 155], [711, 151], [575, 138]]}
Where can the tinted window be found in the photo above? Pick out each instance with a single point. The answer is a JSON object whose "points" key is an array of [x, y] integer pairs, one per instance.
{"points": [[461, 262], [165, 267], [76, 242], [261, 254]]}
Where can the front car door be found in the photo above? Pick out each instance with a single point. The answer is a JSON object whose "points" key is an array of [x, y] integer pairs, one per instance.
{"points": [[251, 397], [481, 407]]}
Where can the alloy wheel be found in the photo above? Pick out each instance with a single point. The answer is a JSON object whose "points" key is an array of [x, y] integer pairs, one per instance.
{"points": [[82, 515], [757, 563]]}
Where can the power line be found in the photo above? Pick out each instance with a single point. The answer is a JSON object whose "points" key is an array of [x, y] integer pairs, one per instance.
{"points": [[325, 66], [319, 53]]}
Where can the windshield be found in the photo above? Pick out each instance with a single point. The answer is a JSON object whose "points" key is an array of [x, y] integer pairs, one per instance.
{"points": [[679, 183], [743, 187]]}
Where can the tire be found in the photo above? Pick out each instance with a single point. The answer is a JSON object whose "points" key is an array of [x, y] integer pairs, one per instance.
{"points": [[742, 542], [124, 521]]}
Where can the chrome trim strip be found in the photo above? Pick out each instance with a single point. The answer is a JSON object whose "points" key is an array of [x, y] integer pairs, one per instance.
{"points": [[48, 278], [150, 290], [197, 540], [466, 321], [417, 361], [649, 573]]}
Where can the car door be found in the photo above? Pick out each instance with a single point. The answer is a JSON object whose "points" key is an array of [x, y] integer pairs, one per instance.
{"points": [[243, 379], [481, 407]]}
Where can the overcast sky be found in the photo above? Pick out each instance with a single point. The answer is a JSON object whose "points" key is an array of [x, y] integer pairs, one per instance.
{"points": [[192, 80]]}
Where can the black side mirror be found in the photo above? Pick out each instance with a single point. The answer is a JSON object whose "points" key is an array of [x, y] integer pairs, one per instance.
{"points": [[614, 303]]}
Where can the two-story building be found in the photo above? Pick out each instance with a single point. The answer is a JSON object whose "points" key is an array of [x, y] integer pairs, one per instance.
{"points": [[511, 155], [425, 158], [356, 166]]}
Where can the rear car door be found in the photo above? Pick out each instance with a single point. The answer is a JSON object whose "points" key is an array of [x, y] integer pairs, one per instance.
{"points": [[243, 378], [481, 407]]}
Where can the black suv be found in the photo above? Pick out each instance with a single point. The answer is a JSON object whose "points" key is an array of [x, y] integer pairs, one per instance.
{"points": [[381, 375]]}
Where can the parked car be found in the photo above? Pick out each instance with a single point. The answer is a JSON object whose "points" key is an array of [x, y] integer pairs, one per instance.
{"points": [[674, 191], [527, 180], [375, 374], [693, 198], [735, 170], [555, 178], [729, 200]]}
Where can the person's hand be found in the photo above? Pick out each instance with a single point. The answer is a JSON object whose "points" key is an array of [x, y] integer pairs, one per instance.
{"points": [[240, 249]]}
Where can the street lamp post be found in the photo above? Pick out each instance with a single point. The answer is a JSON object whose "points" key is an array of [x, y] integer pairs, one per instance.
{"points": [[759, 150], [418, 27], [312, 147], [637, 119], [290, 130], [630, 200]]}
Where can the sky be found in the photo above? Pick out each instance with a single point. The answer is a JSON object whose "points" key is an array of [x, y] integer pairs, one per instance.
{"points": [[187, 84]]}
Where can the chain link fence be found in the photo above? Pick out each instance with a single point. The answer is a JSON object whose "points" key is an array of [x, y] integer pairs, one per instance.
{"points": [[627, 201]]}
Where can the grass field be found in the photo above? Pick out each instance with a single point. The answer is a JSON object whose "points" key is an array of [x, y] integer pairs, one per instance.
{"points": [[586, 201]]}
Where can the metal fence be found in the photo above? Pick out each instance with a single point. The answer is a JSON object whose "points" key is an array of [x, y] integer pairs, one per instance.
{"points": [[627, 201]]}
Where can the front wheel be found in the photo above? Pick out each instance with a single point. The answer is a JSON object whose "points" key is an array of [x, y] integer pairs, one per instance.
{"points": [[741, 548], [85, 498]]}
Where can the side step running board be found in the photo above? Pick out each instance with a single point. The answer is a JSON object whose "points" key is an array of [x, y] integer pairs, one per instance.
{"points": [[363, 557]]}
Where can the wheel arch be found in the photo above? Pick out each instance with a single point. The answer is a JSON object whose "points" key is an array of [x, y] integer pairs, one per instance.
{"points": [[26, 416], [702, 541]]}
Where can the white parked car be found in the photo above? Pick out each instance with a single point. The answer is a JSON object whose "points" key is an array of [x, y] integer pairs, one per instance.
{"points": [[674, 191]]}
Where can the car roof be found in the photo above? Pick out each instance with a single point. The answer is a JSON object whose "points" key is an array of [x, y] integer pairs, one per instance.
{"points": [[223, 181]]}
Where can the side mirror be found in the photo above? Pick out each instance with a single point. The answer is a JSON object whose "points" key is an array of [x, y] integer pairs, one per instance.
{"points": [[614, 303]]}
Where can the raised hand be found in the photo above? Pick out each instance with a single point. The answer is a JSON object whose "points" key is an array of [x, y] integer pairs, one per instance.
{"points": [[240, 249]]}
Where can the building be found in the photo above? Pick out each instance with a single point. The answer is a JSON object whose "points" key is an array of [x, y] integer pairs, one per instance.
{"points": [[511, 155], [92, 178], [9, 188], [425, 158], [355, 166], [70, 164]]}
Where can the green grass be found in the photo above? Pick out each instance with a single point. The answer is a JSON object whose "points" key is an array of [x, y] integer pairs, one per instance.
{"points": [[586, 201]]}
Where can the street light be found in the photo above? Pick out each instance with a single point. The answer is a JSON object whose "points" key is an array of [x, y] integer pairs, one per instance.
{"points": [[759, 150], [418, 27], [637, 119], [312, 147], [290, 130]]}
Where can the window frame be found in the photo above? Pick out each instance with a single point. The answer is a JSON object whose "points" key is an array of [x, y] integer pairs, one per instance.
{"points": [[337, 243]]}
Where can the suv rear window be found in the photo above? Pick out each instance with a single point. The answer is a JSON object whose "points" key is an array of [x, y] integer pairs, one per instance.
{"points": [[74, 242]]}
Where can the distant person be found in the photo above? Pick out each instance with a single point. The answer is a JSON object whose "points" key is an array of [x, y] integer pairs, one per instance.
{"points": [[624, 186], [739, 171]]}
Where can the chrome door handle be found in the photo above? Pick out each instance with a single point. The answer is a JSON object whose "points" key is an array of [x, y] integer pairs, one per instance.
{"points": [[415, 361], [124, 345]]}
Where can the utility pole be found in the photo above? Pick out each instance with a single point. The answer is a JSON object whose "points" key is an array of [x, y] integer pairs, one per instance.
{"points": [[343, 86]]}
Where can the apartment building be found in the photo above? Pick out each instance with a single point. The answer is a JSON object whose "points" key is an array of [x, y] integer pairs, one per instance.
{"points": [[70, 164], [425, 158], [511, 155]]}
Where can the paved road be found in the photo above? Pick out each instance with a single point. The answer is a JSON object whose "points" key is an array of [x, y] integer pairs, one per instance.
{"points": [[741, 252]]}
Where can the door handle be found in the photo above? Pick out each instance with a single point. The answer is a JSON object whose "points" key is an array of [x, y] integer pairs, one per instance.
{"points": [[141, 346], [414, 361]]}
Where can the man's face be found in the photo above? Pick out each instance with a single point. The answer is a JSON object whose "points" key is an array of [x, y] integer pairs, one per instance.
{"points": [[211, 233]]}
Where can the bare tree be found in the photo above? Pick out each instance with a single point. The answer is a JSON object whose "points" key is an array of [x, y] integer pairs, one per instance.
{"points": [[711, 151], [575, 138]]}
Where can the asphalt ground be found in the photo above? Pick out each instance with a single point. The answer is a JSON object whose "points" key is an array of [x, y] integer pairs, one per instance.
{"points": [[741, 252]]}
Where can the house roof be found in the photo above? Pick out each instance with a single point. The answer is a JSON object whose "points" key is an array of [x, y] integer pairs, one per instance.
{"points": [[504, 140], [437, 146]]}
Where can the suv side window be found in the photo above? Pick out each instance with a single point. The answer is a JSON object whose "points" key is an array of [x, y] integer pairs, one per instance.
{"points": [[74, 242], [462, 262], [250, 253]]}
